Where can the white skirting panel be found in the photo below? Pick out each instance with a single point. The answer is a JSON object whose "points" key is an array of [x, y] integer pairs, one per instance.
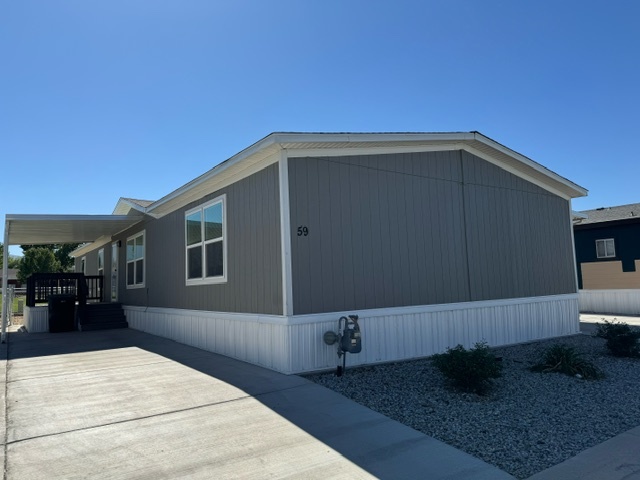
{"points": [[36, 319], [257, 339], [620, 302], [294, 344], [413, 332]]}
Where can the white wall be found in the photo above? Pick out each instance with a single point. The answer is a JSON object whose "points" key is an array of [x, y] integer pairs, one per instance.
{"points": [[294, 344], [36, 319], [621, 302]]}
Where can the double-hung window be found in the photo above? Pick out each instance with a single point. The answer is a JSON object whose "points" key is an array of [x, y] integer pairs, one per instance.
{"points": [[135, 261], [605, 248], [205, 232]]}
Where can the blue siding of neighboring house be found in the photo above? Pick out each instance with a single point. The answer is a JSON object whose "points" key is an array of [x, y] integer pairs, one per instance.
{"points": [[626, 235]]}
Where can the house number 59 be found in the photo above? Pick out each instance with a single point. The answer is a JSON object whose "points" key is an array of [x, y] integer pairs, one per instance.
{"points": [[303, 231]]}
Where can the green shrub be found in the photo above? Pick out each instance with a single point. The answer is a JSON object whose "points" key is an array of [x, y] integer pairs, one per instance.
{"points": [[469, 370], [622, 340], [564, 359]]}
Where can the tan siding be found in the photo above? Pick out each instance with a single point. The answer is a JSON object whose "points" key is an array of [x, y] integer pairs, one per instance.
{"points": [[609, 275]]}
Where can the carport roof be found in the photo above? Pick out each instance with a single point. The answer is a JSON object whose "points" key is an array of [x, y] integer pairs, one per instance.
{"points": [[47, 229]]}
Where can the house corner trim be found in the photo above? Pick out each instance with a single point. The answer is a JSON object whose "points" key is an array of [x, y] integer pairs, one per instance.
{"points": [[285, 235]]}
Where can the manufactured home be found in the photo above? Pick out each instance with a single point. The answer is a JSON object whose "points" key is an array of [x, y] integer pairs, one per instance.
{"points": [[432, 239], [607, 242]]}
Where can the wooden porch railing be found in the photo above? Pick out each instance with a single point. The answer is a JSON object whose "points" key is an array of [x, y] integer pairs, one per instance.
{"points": [[40, 286]]}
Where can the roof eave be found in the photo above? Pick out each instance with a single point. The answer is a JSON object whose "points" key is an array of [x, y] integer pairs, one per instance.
{"points": [[124, 206], [280, 140], [573, 190]]}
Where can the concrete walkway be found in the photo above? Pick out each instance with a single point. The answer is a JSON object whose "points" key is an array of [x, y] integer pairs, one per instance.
{"points": [[124, 404], [616, 459], [589, 321]]}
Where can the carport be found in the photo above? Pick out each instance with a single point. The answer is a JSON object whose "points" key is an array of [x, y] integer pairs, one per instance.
{"points": [[48, 229]]}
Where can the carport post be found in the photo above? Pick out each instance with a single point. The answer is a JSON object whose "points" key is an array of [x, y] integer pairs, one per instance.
{"points": [[5, 281]]}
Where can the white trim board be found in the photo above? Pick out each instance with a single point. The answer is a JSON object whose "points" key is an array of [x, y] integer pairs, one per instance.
{"points": [[370, 313], [285, 234], [443, 307]]}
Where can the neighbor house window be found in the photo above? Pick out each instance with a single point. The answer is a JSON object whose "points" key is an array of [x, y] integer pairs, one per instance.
{"points": [[205, 231], [605, 248], [101, 261], [135, 261]]}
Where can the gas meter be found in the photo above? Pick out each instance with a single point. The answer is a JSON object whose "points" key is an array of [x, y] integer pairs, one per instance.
{"points": [[348, 339]]}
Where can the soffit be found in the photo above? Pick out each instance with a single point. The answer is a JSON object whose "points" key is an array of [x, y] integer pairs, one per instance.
{"points": [[47, 229]]}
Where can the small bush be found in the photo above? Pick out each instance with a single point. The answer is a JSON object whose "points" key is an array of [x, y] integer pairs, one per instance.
{"points": [[622, 340], [564, 359], [469, 370]]}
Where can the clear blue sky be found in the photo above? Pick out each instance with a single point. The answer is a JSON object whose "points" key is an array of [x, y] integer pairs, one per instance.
{"points": [[102, 99]]}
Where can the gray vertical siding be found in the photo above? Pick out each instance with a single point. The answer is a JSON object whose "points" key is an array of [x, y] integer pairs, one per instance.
{"points": [[92, 267], [384, 230], [422, 228], [520, 235], [254, 270]]}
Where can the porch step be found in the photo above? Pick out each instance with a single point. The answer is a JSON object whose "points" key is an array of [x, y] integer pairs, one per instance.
{"points": [[102, 316]]}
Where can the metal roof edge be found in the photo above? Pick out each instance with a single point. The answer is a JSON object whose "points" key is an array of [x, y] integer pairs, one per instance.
{"points": [[222, 166], [42, 217], [530, 163], [281, 139]]}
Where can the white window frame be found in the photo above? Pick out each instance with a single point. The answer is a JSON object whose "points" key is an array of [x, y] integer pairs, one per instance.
{"points": [[143, 258], [607, 252], [101, 261], [207, 280]]}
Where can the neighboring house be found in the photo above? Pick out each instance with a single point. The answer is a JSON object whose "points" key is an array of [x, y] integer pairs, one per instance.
{"points": [[12, 277], [607, 243], [433, 239]]}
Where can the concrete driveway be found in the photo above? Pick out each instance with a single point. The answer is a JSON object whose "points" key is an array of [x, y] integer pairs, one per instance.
{"points": [[124, 404]]}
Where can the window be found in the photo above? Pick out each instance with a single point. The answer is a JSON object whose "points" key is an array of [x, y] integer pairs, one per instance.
{"points": [[83, 265], [101, 261], [205, 230], [605, 248], [135, 261]]}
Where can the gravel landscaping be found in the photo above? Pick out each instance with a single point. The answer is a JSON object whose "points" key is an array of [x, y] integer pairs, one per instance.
{"points": [[529, 421]]}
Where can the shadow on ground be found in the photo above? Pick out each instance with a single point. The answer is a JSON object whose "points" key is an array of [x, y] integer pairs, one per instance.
{"points": [[125, 403]]}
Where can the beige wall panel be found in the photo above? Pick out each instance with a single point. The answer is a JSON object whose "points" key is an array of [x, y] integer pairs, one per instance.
{"points": [[609, 275]]}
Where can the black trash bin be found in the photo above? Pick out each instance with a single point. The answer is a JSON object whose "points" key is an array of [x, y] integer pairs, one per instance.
{"points": [[62, 310]]}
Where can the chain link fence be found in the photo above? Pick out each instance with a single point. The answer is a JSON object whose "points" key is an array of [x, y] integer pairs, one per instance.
{"points": [[16, 298]]}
